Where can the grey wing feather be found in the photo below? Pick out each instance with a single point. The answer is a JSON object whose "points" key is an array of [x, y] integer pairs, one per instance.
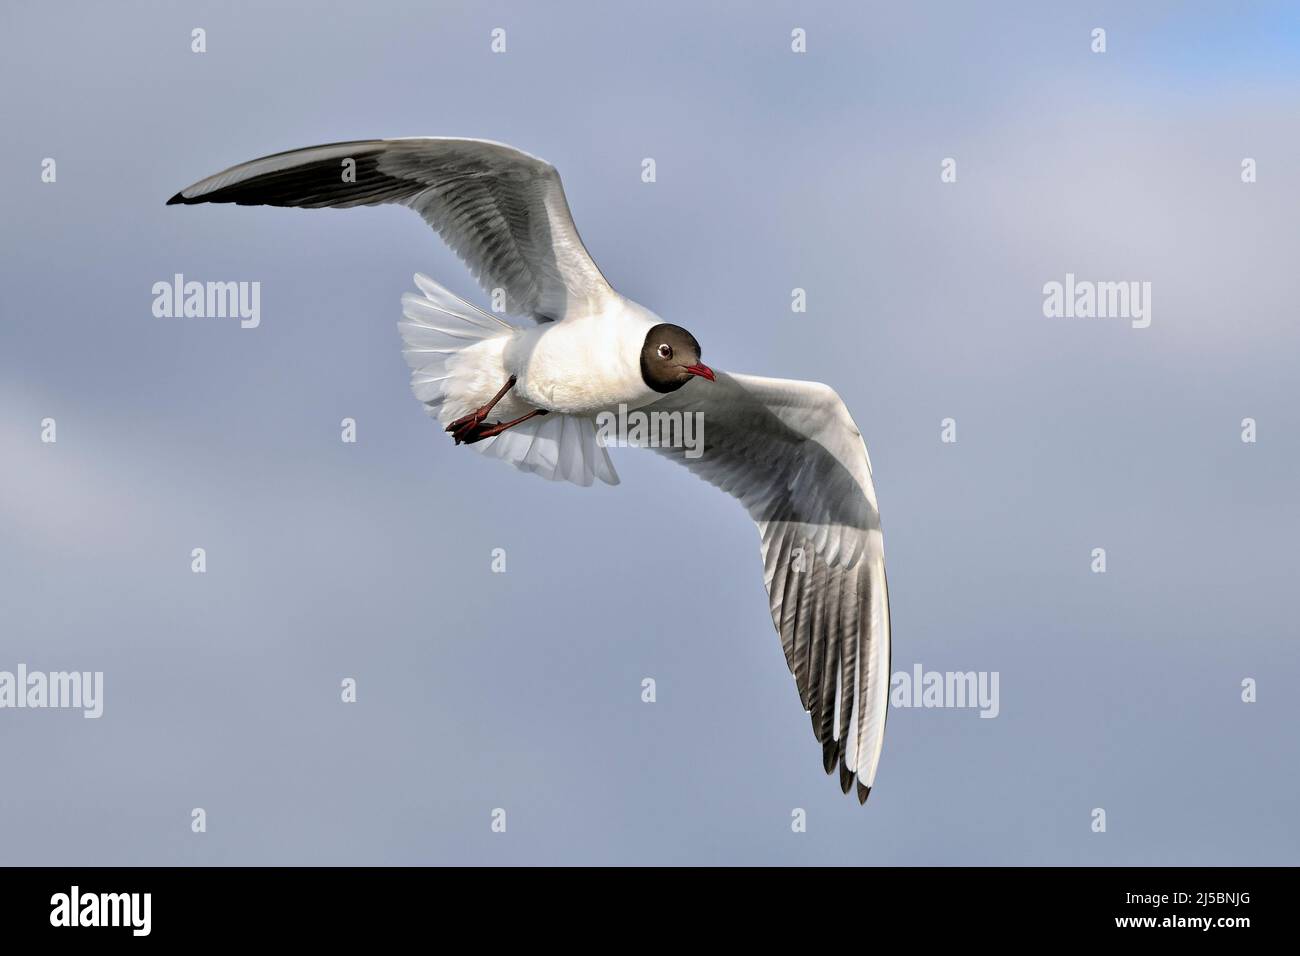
{"points": [[501, 210], [791, 454]]}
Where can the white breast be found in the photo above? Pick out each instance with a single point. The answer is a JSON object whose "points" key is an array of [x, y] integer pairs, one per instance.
{"points": [[583, 365]]}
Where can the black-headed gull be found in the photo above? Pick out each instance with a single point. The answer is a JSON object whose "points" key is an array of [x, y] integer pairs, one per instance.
{"points": [[789, 451]]}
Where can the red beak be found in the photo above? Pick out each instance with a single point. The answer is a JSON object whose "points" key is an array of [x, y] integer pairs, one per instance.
{"points": [[703, 371]]}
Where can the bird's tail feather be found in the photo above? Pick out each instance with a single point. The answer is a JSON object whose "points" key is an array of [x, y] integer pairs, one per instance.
{"points": [[436, 325]]}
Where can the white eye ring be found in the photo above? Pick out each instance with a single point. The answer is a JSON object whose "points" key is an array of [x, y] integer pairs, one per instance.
{"points": [[665, 351]]}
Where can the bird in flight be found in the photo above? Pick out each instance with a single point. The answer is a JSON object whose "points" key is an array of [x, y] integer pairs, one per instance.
{"points": [[531, 395]]}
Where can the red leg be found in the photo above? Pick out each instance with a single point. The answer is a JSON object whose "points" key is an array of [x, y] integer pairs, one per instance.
{"points": [[477, 417], [485, 430]]}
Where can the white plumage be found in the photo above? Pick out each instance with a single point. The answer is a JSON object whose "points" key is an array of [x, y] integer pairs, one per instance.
{"points": [[457, 355], [788, 451]]}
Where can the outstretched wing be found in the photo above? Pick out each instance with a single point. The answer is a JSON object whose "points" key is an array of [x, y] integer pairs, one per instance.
{"points": [[501, 210], [791, 454]]}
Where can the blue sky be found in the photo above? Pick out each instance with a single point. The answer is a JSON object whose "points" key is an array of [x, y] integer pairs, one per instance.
{"points": [[522, 690]]}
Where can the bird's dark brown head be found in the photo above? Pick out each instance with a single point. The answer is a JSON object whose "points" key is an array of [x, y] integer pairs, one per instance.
{"points": [[670, 358]]}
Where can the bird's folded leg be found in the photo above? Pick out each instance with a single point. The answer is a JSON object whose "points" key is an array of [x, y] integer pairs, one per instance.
{"points": [[475, 426], [480, 414], [487, 429]]}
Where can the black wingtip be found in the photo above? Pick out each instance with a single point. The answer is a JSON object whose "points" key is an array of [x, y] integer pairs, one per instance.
{"points": [[863, 793], [830, 755], [176, 200], [846, 778]]}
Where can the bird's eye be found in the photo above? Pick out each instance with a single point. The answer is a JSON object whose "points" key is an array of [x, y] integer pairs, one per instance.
{"points": [[665, 351]]}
